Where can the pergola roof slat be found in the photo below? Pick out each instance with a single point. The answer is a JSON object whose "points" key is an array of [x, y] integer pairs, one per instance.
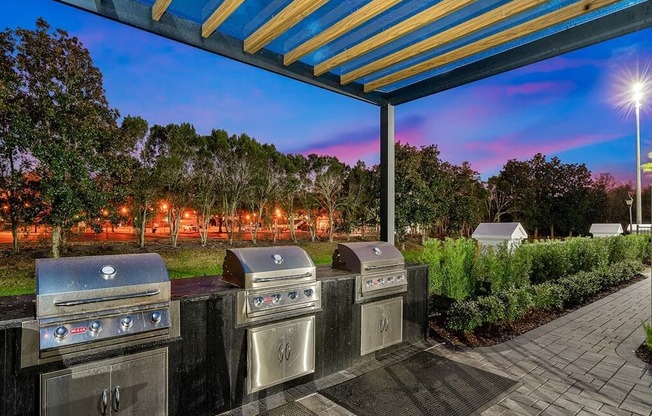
{"points": [[401, 29], [450, 35], [288, 17], [484, 44], [219, 16], [159, 7], [360, 16]]}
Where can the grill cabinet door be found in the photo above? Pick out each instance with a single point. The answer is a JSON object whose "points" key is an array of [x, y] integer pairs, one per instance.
{"points": [[139, 386], [75, 392], [393, 333], [300, 348], [382, 324], [371, 335], [266, 356]]}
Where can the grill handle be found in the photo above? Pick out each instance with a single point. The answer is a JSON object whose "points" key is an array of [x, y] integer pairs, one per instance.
{"points": [[384, 266], [273, 279], [147, 293], [105, 401], [116, 400]]}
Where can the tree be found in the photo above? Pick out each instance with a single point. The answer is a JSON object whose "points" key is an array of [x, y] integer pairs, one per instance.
{"points": [[329, 179], [290, 188], [71, 123], [173, 146], [18, 196], [204, 177], [266, 180], [356, 200]]}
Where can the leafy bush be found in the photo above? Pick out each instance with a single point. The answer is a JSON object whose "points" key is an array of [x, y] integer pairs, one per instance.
{"points": [[518, 302], [492, 309], [451, 267], [512, 303], [464, 316], [548, 296], [549, 261]]}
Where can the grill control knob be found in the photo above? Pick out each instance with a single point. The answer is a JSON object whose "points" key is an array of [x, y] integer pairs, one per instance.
{"points": [[258, 300], [276, 298], [95, 326], [369, 283], [381, 281], [390, 279], [60, 332], [156, 317], [127, 322], [292, 295], [308, 292]]}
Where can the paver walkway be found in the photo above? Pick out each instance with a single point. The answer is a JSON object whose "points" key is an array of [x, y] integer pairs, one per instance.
{"points": [[580, 364]]}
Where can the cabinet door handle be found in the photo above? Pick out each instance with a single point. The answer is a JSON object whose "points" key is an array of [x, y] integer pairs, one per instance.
{"points": [[287, 351], [382, 324], [105, 401], [116, 399], [386, 324], [280, 352]]}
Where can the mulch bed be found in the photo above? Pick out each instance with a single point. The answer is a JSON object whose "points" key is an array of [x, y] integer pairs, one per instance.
{"points": [[494, 334], [644, 353]]}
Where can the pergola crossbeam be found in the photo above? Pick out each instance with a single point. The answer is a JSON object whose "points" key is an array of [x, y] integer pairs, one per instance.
{"points": [[340, 28], [219, 16], [159, 8], [279, 24]]}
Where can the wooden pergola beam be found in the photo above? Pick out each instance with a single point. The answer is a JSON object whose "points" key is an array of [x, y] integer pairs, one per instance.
{"points": [[355, 19], [543, 22], [403, 28], [219, 16], [159, 8], [284, 20], [476, 24]]}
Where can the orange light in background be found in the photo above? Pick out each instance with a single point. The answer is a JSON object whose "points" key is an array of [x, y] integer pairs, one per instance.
{"points": [[186, 215], [164, 206], [124, 210], [248, 217], [278, 212], [105, 212]]}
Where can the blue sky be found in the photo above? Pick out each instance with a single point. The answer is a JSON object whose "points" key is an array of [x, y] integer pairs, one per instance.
{"points": [[566, 106]]}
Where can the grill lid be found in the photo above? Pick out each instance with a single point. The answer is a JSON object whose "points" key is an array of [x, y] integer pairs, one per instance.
{"points": [[368, 257], [267, 266], [82, 284]]}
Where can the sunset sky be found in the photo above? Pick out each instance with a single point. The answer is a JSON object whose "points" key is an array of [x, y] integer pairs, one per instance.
{"points": [[571, 106]]}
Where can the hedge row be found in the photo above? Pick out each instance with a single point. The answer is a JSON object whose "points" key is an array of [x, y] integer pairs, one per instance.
{"points": [[508, 305], [459, 270]]}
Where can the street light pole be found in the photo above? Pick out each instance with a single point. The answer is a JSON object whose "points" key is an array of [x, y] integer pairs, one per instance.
{"points": [[638, 93], [629, 202]]}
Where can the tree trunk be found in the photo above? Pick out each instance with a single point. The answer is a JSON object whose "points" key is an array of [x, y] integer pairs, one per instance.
{"points": [[56, 241], [203, 229], [142, 223], [14, 236], [293, 235], [330, 224]]}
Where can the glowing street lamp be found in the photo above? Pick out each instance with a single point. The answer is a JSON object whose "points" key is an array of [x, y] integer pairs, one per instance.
{"points": [[629, 201], [637, 96]]}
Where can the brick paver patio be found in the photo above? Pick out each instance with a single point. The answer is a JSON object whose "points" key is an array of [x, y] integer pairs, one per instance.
{"points": [[580, 364]]}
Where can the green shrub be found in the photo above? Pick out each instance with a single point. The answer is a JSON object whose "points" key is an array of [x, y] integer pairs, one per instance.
{"points": [[549, 261], [451, 267], [492, 309], [583, 254], [464, 316], [548, 296], [517, 302]]}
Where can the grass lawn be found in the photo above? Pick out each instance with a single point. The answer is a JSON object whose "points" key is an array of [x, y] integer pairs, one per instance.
{"points": [[189, 259]]}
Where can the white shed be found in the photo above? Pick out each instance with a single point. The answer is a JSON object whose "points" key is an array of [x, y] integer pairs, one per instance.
{"points": [[496, 233], [606, 230]]}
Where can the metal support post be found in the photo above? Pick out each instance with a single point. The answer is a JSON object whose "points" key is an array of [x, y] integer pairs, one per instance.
{"points": [[387, 163]]}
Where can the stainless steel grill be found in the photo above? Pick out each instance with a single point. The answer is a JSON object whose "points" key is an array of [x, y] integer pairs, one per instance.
{"points": [[277, 280], [280, 283], [380, 267], [89, 302]]}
